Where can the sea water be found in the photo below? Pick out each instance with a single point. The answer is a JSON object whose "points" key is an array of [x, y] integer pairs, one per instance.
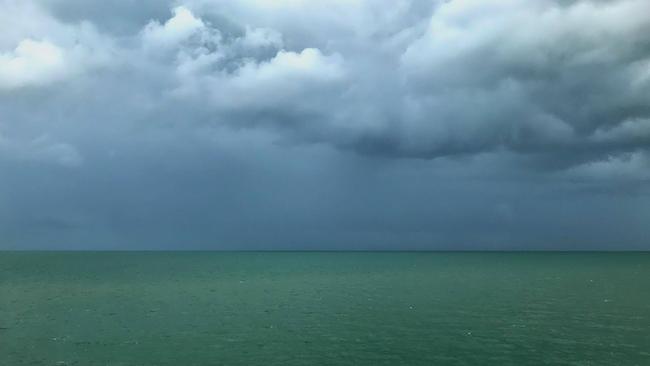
{"points": [[324, 308]]}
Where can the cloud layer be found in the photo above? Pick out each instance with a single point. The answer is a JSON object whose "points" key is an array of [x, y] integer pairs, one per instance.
{"points": [[205, 101]]}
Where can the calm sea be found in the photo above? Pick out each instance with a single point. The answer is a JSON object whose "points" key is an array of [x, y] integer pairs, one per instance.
{"points": [[211, 308]]}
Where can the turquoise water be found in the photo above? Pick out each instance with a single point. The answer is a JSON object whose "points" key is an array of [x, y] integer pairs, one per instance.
{"points": [[196, 308]]}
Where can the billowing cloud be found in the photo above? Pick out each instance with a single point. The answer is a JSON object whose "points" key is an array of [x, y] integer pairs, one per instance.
{"points": [[32, 62], [37, 49], [473, 77], [537, 75], [178, 28]]}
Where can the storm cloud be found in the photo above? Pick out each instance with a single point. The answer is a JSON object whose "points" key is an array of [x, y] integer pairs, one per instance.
{"points": [[290, 124]]}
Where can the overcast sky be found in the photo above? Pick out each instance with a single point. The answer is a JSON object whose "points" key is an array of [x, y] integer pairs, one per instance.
{"points": [[325, 124]]}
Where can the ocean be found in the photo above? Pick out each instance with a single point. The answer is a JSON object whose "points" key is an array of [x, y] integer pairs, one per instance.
{"points": [[324, 308]]}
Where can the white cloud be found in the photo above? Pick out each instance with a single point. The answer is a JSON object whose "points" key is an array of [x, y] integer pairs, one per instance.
{"points": [[310, 64], [287, 75], [247, 70], [32, 63], [504, 36], [261, 38], [36, 49], [181, 26]]}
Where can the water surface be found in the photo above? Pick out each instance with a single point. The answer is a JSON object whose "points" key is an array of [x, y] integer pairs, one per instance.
{"points": [[207, 308]]}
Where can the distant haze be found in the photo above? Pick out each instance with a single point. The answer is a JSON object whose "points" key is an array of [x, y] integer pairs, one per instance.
{"points": [[340, 124]]}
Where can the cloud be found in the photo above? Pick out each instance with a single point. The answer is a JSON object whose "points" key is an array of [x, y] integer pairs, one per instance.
{"points": [[288, 80], [179, 27], [535, 74], [44, 50], [482, 76], [42, 149], [365, 123], [240, 77], [468, 77], [633, 166], [31, 63]]}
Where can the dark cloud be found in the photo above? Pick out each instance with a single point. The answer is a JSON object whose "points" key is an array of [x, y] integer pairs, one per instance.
{"points": [[342, 125]]}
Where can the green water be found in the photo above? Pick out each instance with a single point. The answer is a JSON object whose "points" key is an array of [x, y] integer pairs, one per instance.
{"points": [[182, 309]]}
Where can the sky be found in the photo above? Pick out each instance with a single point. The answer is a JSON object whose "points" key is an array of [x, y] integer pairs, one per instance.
{"points": [[325, 124]]}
